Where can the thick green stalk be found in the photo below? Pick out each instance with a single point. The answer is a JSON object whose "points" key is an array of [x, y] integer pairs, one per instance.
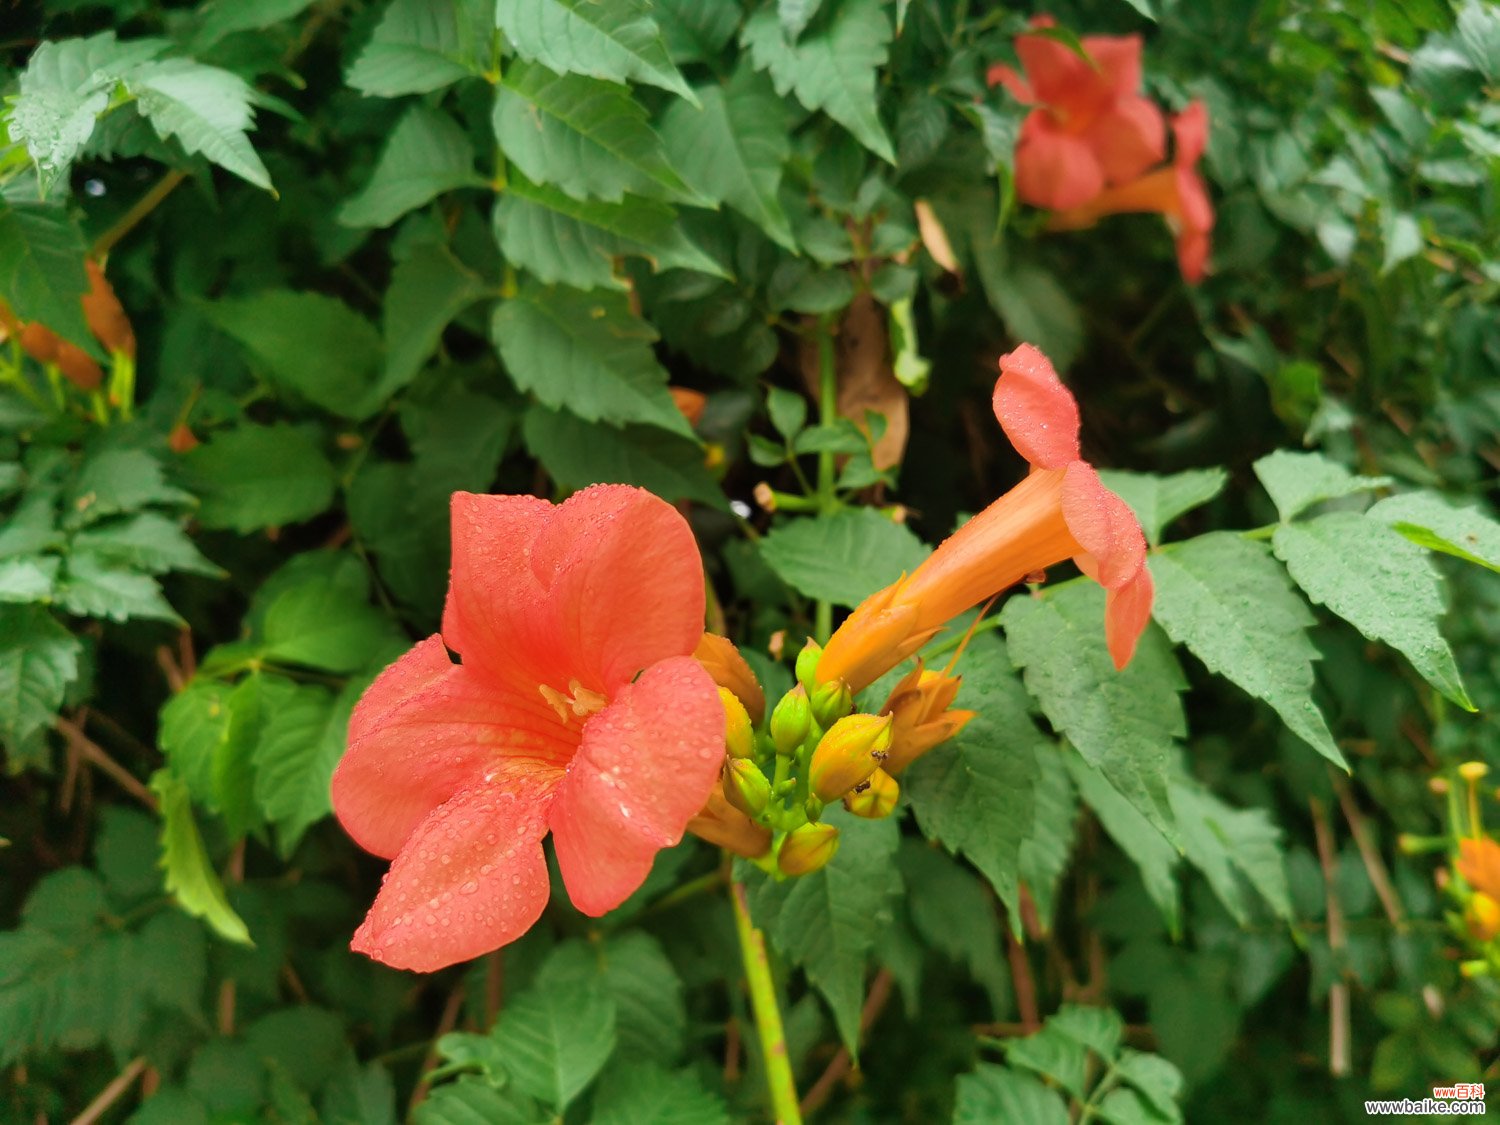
{"points": [[779, 1081]]}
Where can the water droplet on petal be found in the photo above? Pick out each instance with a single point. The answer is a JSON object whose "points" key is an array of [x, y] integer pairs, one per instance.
{"points": [[468, 888]]}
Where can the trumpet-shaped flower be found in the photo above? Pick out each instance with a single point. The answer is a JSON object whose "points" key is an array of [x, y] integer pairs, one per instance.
{"points": [[1176, 192], [1060, 511], [578, 708], [921, 707], [1091, 126], [1479, 864]]}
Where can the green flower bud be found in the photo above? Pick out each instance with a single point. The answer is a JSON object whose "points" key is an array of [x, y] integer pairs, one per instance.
{"points": [[848, 754], [807, 664], [739, 735], [807, 848], [874, 798], [790, 721], [746, 787], [831, 702]]}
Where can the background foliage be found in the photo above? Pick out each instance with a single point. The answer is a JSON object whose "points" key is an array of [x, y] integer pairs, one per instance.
{"points": [[374, 253]]}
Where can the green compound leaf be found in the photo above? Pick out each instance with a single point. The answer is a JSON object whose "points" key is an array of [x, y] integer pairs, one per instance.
{"points": [[190, 879], [309, 343], [555, 1040], [1379, 582], [41, 268], [843, 557], [561, 239], [473, 1101], [1047, 848], [254, 476], [1158, 500], [588, 353], [299, 744], [1430, 521], [834, 69], [1296, 481], [146, 541], [584, 135], [1225, 843], [993, 1093], [423, 45], [1123, 723], [1224, 597], [95, 586], [616, 40], [114, 481], [650, 1014], [830, 921], [427, 155], [207, 109], [641, 1092], [732, 149], [579, 454], [320, 624], [429, 288], [38, 660], [975, 793]]}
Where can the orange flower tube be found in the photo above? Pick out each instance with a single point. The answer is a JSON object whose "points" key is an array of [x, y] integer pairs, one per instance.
{"points": [[1060, 511]]}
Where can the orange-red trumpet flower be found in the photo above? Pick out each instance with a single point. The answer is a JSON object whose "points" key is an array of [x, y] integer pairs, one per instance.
{"points": [[1060, 511]]}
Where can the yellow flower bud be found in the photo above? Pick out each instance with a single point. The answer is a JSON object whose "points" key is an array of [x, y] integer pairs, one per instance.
{"points": [[876, 798], [807, 848], [791, 720], [1482, 916], [739, 735], [722, 824], [848, 754], [746, 787], [1473, 771]]}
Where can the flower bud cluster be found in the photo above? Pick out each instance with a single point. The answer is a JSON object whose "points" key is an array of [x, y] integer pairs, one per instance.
{"points": [[813, 750], [1472, 881]]}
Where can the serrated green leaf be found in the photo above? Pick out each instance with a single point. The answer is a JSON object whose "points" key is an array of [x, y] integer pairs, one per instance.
{"points": [[38, 660], [578, 454], [1430, 521], [1052, 1054], [309, 343], [588, 353], [259, 476], [1031, 301], [28, 578], [1158, 500], [584, 135], [189, 877], [193, 735], [317, 625], [954, 914], [787, 410], [41, 268], [650, 1016], [94, 586], [993, 1093], [114, 481], [1137, 837], [639, 1093], [147, 541], [359, 1095], [1155, 1078], [1478, 27], [208, 111], [1296, 481], [795, 15], [616, 40], [834, 69], [423, 45], [1047, 848], [473, 1101], [1125, 723], [829, 922], [562, 239], [1219, 841], [1380, 583], [732, 148], [427, 154], [429, 288], [843, 557], [974, 793], [218, 19], [1098, 1029], [1224, 597], [555, 1042]]}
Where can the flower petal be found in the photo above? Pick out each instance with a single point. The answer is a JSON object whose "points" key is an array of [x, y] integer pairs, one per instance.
{"points": [[1118, 58], [1190, 130], [1479, 864], [1055, 170], [625, 584], [471, 878], [1061, 77], [647, 764], [1038, 414], [427, 728], [1127, 138], [494, 616], [1104, 526], [1001, 75], [1127, 612]]}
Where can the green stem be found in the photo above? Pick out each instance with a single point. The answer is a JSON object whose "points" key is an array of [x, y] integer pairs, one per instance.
{"points": [[779, 1081], [828, 412]]}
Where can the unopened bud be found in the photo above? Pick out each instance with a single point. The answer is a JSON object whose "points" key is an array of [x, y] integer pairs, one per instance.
{"points": [[1482, 916], [807, 848], [739, 735], [874, 798], [790, 721], [1438, 785], [1473, 969], [722, 824], [1473, 771], [807, 664], [848, 754], [746, 787], [765, 497], [831, 702]]}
